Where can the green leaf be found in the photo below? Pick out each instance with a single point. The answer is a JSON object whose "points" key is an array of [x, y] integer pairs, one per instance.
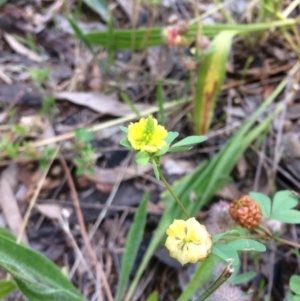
{"points": [[153, 297], [179, 149], [295, 284], [84, 135], [161, 151], [155, 169], [142, 158], [6, 287], [296, 298], [191, 140], [132, 245], [80, 171], [243, 278], [144, 38], [124, 141], [227, 253], [7, 234], [283, 200], [36, 276], [289, 297], [247, 245], [263, 201], [2, 2], [223, 235], [100, 7], [171, 137], [289, 216], [124, 129]]}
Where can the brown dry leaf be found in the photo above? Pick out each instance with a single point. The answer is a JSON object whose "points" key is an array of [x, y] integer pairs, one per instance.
{"points": [[8, 201], [159, 60], [98, 102], [177, 167], [242, 167], [21, 49], [109, 175], [51, 211], [229, 192], [128, 7]]}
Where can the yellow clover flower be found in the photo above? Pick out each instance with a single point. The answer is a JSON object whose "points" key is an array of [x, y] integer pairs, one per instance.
{"points": [[147, 135], [188, 241]]}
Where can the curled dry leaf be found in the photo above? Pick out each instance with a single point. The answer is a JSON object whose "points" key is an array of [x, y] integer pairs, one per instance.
{"points": [[9, 203], [21, 49], [177, 167], [109, 175], [52, 211], [98, 102]]}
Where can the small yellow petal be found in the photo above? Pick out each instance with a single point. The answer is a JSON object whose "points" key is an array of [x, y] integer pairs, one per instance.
{"points": [[149, 148], [177, 229]]}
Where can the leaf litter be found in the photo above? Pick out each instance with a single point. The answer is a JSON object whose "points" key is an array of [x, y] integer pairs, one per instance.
{"points": [[31, 40]]}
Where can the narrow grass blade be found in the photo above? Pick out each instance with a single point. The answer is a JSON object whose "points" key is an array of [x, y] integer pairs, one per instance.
{"points": [[130, 103], [132, 245], [81, 36], [122, 38], [6, 287], [201, 276], [210, 77], [153, 297]]}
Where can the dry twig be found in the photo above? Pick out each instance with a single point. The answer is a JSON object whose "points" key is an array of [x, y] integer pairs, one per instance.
{"points": [[99, 270]]}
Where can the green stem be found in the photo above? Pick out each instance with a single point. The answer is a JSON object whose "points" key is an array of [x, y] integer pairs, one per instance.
{"points": [[222, 278], [172, 192], [279, 239]]}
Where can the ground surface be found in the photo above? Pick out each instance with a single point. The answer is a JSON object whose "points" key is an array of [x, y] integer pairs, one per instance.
{"points": [[42, 69]]}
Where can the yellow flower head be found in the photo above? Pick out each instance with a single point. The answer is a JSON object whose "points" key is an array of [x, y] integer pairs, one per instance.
{"points": [[147, 135], [188, 241]]}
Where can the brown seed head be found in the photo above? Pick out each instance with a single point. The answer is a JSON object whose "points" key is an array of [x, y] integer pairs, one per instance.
{"points": [[245, 212]]}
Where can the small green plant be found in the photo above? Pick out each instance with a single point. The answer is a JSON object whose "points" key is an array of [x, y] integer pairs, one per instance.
{"points": [[188, 241], [11, 149], [39, 76], [295, 288], [46, 155], [86, 158]]}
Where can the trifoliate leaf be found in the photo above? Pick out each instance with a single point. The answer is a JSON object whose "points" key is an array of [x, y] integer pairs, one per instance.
{"points": [[124, 129], [289, 216], [284, 199], [125, 143], [247, 245], [142, 158], [263, 201]]}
